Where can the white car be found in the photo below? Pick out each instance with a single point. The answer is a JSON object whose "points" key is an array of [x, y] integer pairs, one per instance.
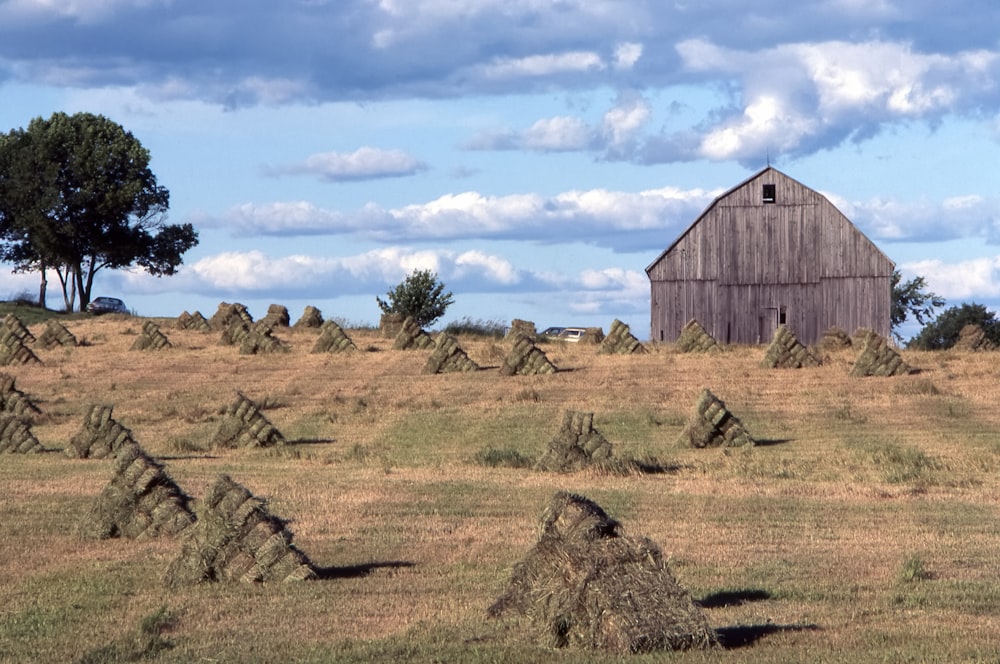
{"points": [[572, 334]]}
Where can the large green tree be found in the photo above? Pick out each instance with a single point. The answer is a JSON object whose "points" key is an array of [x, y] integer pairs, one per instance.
{"points": [[420, 295], [77, 196], [943, 331], [911, 298]]}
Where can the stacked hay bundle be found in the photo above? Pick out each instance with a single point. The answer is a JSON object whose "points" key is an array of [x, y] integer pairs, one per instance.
{"points": [[834, 339], [526, 359], [151, 338], [592, 336], [194, 321], [587, 585], [55, 334], [311, 318], [577, 445], [390, 324], [712, 425], [448, 357], [16, 436], [695, 338], [786, 352], [862, 335], [14, 401], [243, 425], [521, 328], [412, 337], [12, 344], [879, 358], [276, 316], [333, 339], [259, 339], [140, 502], [99, 436], [227, 313], [620, 340], [236, 538], [973, 338], [18, 329], [234, 333]]}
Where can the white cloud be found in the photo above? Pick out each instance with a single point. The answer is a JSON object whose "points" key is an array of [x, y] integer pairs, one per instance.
{"points": [[559, 133], [365, 163], [627, 54], [966, 280], [543, 65]]}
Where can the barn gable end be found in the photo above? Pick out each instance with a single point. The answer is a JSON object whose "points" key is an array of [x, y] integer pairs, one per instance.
{"points": [[770, 251]]}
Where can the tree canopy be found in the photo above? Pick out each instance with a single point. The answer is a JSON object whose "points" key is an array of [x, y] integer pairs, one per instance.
{"points": [[421, 295], [943, 331], [77, 196], [911, 298]]}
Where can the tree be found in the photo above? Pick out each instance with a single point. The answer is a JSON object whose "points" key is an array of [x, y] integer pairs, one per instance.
{"points": [[911, 298], [421, 295], [944, 330], [77, 196]]}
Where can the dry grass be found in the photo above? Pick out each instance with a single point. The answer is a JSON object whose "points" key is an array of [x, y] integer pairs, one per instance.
{"points": [[795, 546]]}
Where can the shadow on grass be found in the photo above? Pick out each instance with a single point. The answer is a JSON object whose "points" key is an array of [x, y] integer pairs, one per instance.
{"points": [[311, 441], [358, 571], [741, 636], [725, 598], [768, 442]]}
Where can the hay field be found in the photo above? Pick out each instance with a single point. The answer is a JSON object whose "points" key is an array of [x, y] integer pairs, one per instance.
{"points": [[864, 527]]}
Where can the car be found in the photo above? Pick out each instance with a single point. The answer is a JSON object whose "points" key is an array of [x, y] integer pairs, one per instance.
{"points": [[552, 331], [106, 305], [572, 334]]}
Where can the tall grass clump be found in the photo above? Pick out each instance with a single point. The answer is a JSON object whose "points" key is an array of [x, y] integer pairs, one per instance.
{"points": [[145, 643], [503, 458], [492, 329]]}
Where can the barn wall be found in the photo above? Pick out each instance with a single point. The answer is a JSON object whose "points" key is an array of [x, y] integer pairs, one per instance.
{"points": [[744, 260]]}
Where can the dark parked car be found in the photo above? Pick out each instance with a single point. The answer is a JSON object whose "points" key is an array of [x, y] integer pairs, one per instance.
{"points": [[106, 305]]}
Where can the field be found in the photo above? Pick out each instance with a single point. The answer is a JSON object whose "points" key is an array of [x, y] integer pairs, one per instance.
{"points": [[863, 528]]}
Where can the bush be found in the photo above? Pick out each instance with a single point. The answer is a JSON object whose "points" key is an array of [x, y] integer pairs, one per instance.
{"points": [[482, 328], [943, 332]]}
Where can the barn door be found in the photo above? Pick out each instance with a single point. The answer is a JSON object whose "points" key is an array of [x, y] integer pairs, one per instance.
{"points": [[767, 322]]}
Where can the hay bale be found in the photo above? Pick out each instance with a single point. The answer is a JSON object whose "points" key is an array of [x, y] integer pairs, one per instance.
{"points": [[236, 538], [276, 316], [14, 401], [100, 435], [12, 347], [694, 338], [228, 313], [973, 338], [621, 341], [16, 436], [311, 318], [412, 337], [786, 352], [140, 502], [243, 425], [55, 334], [195, 321], [333, 339], [521, 328], [258, 339], [151, 338], [587, 585], [578, 445], [592, 336], [834, 339], [391, 324], [712, 425], [18, 329], [448, 357], [879, 358], [862, 335], [526, 359]]}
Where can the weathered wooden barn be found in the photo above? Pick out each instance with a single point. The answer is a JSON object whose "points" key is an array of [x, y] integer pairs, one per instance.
{"points": [[770, 251]]}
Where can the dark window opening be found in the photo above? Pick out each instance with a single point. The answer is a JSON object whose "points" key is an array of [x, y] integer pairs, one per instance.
{"points": [[769, 193], [782, 319]]}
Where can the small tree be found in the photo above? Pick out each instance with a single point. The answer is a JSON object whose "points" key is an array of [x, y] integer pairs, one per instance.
{"points": [[943, 332], [911, 298], [421, 295]]}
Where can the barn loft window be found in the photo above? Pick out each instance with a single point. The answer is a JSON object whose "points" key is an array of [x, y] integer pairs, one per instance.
{"points": [[769, 193]]}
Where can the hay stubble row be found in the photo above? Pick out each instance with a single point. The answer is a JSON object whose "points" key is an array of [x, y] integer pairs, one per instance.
{"points": [[381, 486]]}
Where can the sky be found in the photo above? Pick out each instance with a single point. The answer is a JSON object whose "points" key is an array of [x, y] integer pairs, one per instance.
{"points": [[537, 155]]}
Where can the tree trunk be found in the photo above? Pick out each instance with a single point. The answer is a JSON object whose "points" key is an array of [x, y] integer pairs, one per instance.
{"points": [[42, 286]]}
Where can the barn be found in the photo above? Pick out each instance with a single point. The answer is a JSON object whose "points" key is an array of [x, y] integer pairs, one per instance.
{"points": [[770, 251]]}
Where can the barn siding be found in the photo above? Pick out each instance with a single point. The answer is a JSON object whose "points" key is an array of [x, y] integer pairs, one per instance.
{"points": [[744, 260]]}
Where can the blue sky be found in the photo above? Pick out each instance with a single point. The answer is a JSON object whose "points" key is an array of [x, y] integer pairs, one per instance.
{"points": [[537, 154]]}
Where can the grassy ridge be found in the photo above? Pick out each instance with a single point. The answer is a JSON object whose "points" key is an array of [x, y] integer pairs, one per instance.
{"points": [[863, 529]]}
